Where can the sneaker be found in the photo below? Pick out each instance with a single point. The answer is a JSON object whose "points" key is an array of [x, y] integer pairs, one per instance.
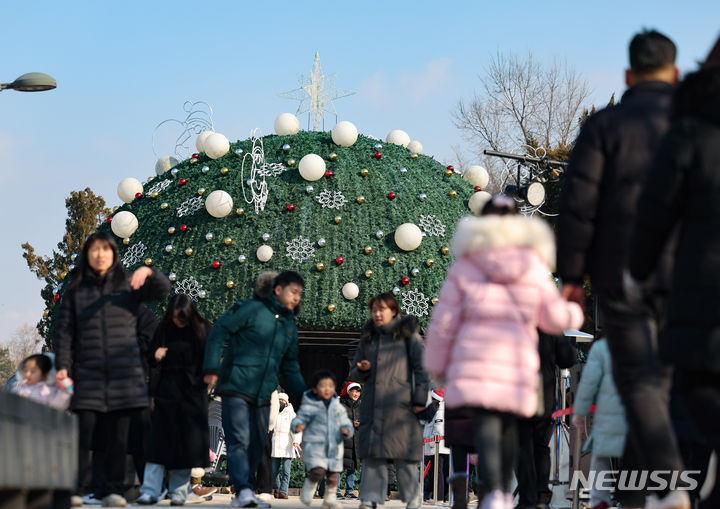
{"points": [[330, 501], [114, 500], [203, 491], [76, 501], [673, 500], [177, 500], [91, 500], [282, 496], [246, 498], [493, 500], [308, 490], [146, 499], [265, 497], [350, 495], [367, 505], [192, 498]]}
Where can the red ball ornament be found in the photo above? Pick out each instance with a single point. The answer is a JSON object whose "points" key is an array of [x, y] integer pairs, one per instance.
{"points": [[378, 155], [56, 297], [392, 195], [451, 167], [405, 280], [216, 264], [195, 156], [138, 195], [182, 181], [339, 260], [109, 220], [478, 189], [183, 227], [329, 174], [290, 207]]}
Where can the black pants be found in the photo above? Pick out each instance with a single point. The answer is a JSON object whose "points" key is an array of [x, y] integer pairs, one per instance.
{"points": [[264, 482], [496, 445], [443, 473], [642, 381], [114, 428], [533, 462]]}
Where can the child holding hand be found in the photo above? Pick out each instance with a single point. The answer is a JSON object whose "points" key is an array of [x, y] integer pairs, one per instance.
{"points": [[324, 423], [34, 384]]}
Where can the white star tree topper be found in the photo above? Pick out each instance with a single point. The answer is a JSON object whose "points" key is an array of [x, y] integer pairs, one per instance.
{"points": [[316, 94]]}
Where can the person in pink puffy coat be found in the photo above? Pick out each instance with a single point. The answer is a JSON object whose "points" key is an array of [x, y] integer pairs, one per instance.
{"points": [[482, 341]]}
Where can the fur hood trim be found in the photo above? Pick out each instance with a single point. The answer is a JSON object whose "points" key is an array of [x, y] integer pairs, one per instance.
{"points": [[494, 232], [406, 326], [264, 284]]}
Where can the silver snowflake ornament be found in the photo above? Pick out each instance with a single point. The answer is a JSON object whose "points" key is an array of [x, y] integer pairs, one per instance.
{"points": [[190, 206], [299, 249], [415, 303], [331, 199], [432, 226], [159, 187], [134, 254], [190, 287]]}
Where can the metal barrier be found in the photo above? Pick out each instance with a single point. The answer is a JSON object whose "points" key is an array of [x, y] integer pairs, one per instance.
{"points": [[39, 453]]}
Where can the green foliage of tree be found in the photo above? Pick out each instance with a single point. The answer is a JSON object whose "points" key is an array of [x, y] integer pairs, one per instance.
{"points": [[7, 366], [85, 212]]}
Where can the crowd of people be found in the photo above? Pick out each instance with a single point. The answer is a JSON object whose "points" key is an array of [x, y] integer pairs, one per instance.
{"points": [[638, 216]]}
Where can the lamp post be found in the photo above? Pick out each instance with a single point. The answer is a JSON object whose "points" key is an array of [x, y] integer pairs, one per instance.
{"points": [[31, 82]]}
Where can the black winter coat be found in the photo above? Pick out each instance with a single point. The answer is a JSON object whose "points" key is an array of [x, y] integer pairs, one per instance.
{"points": [[97, 342], [351, 453], [555, 352], [605, 175], [682, 192], [180, 437]]}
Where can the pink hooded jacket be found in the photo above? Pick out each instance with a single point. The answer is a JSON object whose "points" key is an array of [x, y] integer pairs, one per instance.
{"points": [[482, 336]]}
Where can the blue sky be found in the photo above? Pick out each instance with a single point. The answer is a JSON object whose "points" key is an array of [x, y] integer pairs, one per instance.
{"points": [[123, 67]]}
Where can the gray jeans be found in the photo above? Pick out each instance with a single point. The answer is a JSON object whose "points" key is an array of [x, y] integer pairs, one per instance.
{"points": [[373, 482]]}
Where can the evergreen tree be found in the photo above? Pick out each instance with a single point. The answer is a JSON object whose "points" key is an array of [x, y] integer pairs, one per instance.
{"points": [[85, 212], [7, 366]]}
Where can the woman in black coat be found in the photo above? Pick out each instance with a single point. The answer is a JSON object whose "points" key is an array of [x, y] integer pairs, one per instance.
{"points": [[97, 345], [180, 439]]}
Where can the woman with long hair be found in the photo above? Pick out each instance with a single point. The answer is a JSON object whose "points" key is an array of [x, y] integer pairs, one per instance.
{"points": [[389, 364], [179, 437], [97, 345]]}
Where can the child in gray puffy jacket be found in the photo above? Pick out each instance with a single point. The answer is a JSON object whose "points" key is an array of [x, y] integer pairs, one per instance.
{"points": [[324, 423]]}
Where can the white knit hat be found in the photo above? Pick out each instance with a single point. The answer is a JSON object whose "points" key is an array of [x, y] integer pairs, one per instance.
{"points": [[283, 396]]}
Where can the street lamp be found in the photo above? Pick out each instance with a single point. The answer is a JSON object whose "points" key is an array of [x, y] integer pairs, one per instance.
{"points": [[31, 82]]}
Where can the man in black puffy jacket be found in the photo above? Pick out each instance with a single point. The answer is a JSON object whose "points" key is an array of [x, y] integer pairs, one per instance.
{"points": [[606, 172]]}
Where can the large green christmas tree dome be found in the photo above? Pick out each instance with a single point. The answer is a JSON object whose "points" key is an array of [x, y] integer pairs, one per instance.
{"points": [[355, 220]]}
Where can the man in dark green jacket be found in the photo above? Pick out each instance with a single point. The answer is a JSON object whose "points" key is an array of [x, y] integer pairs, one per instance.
{"points": [[262, 343]]}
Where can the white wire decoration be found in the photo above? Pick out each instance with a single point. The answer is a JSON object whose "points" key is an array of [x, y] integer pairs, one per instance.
{"points": [[134, 254], [432, 226], [415, 303], [198, 118], [331, 199], [299, 249], [190, 287], [159, 187], [190, 206], [260, 169]]}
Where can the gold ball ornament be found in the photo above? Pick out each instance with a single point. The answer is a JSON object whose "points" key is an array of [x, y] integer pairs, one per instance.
{"points": [[224, 171], [364, 172], [201, 191], [240, 212], [171, 230], [46, 313], [413, 156], [154, 195], [193, 160], [453, 194], [228, 241], [392, 260], [332, 156], [434, 301], [448, 173], [368, 250], [331, 307], [291, 163], [63, 275], [189, 251], [230, 284], [320, 266], [148, 261], [445, 250], [126, 241], [164, 205], [338, 219], [360, 199], [429, 262], [368, 274]]}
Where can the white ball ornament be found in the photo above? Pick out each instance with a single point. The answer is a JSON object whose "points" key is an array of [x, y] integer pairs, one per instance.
{"points": [[286, 123], [398, 137], [344, 134], [128, 188], [200, 140], [124, 224], [350, 291], [312, 167], [408, 236], [477, 176], [478, 200], [216, 145], [164, 164], [415, 147], [219, 203], [264, 253]]}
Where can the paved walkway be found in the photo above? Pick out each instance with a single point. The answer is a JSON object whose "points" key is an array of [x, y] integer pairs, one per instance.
{"points": [[222, 500]]}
